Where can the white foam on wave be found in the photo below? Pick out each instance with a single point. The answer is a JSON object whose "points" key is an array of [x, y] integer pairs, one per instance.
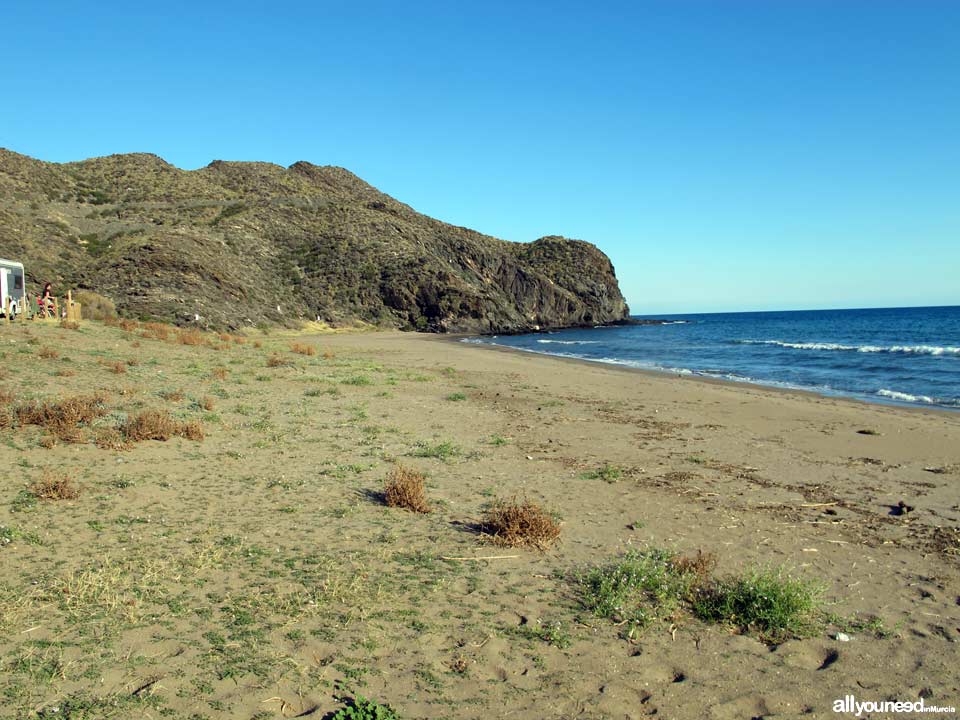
{"points": [[569, 342], [907, 397], [903, 349]]}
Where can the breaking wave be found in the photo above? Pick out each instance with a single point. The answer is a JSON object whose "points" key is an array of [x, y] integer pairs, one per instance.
{"points": [[897, 349]]}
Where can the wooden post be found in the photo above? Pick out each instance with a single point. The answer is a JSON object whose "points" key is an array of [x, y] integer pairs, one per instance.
{"points": [[69, 305]]}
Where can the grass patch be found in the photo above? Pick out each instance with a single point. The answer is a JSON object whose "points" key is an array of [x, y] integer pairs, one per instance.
{"points": [[640, 588], [767, 601], [607, 473], [442, 451], [456, 397], [516, 523], [405, 489], [651, 585]]}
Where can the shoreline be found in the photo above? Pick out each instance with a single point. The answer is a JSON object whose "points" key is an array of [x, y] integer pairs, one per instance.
{"points": [[648, 372]]}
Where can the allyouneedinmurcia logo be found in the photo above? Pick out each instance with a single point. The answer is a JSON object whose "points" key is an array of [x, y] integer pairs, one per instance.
{"points": [[849, 704]]}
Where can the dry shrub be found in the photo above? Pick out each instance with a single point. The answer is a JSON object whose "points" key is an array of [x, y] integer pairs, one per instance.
{"points": [[172, 395], [517, 523], [303, 349], [224, 337], [701, 566], [276, 361], [219, 373], [239, 340], [69, 325], [116, 367], [149, 425], [6, 418], [404, 488], [95, 306], [190, 337], [156, 331], [48, 353], [128, 325], [159, 425], [132, 362], [55, 486], [327, 355], [65, 372], [135, 344], [257, 344], [207, 403], [112, 322], [191, 430], [6, 397], [63, 419], [111, 439]]}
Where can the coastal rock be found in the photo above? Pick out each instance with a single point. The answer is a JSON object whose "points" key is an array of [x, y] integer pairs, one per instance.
{"points": [[234, 241]]}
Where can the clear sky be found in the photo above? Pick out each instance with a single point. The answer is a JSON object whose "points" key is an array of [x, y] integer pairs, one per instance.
{"points": [[726, 154]]}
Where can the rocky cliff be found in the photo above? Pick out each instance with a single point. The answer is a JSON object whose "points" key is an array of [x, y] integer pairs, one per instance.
{"points": [[254, 243]]}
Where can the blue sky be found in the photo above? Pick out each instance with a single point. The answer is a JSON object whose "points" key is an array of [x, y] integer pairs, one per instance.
{"points": [[727, 155]]}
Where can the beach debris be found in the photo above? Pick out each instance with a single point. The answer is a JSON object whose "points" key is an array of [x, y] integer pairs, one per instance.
{"points": [[901, 508], [842, 637]]}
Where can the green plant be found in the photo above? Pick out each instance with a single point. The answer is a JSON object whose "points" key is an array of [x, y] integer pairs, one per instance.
{"points": [[607, 473], [639, 588], [441, 450], [456, 396], [359, 708], [767, 600]]}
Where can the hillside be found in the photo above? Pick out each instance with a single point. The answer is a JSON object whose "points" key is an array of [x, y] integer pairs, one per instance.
{"points": [[247, 243]]}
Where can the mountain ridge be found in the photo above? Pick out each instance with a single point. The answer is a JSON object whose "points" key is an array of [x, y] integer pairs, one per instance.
{"points": [[254, 243]]}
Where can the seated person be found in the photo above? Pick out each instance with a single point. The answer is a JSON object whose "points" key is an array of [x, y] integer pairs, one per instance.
{"points": [[45, 302]]}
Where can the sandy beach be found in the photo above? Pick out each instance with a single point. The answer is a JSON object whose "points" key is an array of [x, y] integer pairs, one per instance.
{"points": [[257, 573]]}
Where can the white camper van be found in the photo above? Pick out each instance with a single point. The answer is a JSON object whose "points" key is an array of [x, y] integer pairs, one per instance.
{"points": [[12, 288]]}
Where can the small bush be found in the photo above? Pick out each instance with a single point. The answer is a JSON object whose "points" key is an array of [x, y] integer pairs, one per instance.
{"points": [[172, 395], [765, 600], [116, 367], [55, 486], [302, 349], [457, 396], [48, 353], [207, 403], [95, 306], [520, 524], [640, 587], [275, 361], [69, 325], [190, 337], [405, 489], [156, 331], [219, 373], [111, 439], [359, 708], [62, 419], [159, 425]]}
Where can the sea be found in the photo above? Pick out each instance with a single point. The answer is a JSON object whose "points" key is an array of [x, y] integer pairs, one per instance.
{"points": [[901, 356]]}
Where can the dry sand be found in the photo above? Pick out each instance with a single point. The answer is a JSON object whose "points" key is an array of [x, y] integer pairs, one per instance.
{"points": [[257, 574]]}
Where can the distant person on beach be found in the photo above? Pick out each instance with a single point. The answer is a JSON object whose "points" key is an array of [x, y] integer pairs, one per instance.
{"points": [[45, 301]]}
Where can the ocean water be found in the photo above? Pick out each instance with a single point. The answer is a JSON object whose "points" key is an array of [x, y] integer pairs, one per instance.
{"points": [[908, 356]]}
